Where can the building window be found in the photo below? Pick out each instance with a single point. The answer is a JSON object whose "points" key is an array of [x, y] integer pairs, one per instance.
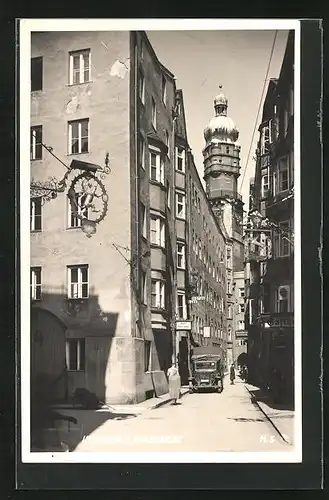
{"points": [[75, 354], [143, 219], [78, 282], [154, 114], [180, 205], [229, 335], [241, 292], [157, 294], [76, 213], [35, 282], [282, 299], [141, 86], [241, 324], [241, 308], [180, 159], [227, 149], [229, 286], [36, 143], [147, 355], [283, 175], [143, 292], [79, 67], [36, 214], [141, 151], [229, 258], [265, 140], [181, 305], [36, 73], [157, 231], [168, 195], [181, 255], [168, 144], [284, 243], [265, 186], [78, 136], [156, 166], [164, 89]]}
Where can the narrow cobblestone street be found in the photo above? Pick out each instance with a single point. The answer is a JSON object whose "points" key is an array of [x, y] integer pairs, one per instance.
{"points": [[202, 422]]}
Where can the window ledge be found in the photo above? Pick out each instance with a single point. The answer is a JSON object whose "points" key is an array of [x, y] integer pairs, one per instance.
{"points": [[36, 159], [35, 230], [181, 218], [81, 299], [155, 245], [180, 171], [77, 84], [74, 154], [158, 183]]}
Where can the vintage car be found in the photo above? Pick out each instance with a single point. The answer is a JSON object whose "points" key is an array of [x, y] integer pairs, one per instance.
{"points": [[207, 369]]}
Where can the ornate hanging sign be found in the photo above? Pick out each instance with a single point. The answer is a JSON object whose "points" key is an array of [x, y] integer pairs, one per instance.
{"points": [[87, 193], [89, 201]]}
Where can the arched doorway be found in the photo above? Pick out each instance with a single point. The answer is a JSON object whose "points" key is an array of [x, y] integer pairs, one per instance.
{"points": [[48, 363], [242, 359]]}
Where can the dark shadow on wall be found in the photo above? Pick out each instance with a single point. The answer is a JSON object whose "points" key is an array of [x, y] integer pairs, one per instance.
{"points": [[70, 342], [268, 399], [163, 346]]}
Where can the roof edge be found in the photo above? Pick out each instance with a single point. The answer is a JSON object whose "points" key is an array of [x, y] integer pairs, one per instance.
{"points": [[155, 57]]}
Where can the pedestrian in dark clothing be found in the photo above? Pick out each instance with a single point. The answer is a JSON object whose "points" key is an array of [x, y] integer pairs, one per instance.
{"points": [[245, 373], [232, 374]]}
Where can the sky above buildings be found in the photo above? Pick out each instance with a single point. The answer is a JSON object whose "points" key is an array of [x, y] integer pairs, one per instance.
{"points": [[236, 59]]}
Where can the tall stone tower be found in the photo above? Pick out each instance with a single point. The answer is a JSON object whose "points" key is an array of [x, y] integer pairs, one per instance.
{"points": [[221, 172]]}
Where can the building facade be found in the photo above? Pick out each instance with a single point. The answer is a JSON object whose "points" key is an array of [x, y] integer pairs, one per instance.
{"points": [[221, 172], [110, 298], [270, 252], [207, 267], [104, 307], [241, 336]]}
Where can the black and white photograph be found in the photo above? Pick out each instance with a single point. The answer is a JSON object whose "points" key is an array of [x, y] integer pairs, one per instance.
{"points": [[161, 265]]}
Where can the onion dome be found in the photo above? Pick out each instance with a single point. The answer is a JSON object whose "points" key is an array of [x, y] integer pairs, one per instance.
{"points": [[221, 127]]}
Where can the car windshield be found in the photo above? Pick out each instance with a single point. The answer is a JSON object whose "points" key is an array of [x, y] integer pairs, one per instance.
{"points": [[205, 365]]}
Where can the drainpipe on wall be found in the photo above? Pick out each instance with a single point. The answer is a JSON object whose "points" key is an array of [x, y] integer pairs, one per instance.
{"points": [[135, 270], [187, 254], [173, 319]]}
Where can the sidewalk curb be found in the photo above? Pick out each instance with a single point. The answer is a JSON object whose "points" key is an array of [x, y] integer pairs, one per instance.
{"points": [[165, 401], [260, 406]]}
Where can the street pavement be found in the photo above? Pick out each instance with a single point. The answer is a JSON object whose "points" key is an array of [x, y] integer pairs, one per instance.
{"points": [[201, 422]]}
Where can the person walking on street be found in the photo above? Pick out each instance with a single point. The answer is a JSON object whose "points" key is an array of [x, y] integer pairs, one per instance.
{"points": [[232, 374], [174, 383]]}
